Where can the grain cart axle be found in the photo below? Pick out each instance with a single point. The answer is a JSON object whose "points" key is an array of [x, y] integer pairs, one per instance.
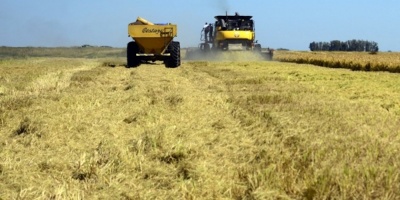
{"points": [[153, 42]]}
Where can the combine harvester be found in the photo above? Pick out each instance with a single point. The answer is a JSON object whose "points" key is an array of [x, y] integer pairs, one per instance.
{"points": [[229, 33], [152, 42]]}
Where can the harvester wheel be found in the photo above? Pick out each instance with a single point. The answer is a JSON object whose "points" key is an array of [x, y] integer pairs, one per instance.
{"points": [[174, 60], [131, 51], [257, 47], [269, 55], [205, 47]]}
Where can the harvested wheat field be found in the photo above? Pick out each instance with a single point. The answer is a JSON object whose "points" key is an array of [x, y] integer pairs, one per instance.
{"points": [[77, 128]]}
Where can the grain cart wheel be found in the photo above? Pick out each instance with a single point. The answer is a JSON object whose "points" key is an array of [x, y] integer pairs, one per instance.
{"points": [[131, 51], [174, 60]]}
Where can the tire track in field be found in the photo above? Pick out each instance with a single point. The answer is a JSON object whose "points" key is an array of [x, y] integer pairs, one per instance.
{"points": [[190, 110], [49, 84], [57, 81]]}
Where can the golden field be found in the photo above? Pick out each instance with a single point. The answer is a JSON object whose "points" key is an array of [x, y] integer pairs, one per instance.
{"points": [[89, 128], [357, 61]]}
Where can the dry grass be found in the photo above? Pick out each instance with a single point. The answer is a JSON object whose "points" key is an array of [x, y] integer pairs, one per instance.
{"points": [[357, 61], [79, 129], [65, 52]]}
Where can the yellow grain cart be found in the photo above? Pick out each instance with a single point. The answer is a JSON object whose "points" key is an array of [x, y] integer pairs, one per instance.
{"points": [[153, 42]]}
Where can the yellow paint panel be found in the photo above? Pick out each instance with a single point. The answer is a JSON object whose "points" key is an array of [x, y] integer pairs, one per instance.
{"points": [[152, 38], [153, 45], [152, 31], [235, 35]]}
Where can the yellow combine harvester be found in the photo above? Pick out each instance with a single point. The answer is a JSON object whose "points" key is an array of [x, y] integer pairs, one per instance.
{"points": [[231, 33], [152, 42]]}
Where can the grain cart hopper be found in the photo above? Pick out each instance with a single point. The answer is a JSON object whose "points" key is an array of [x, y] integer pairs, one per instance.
{"points": [[152, 42]]}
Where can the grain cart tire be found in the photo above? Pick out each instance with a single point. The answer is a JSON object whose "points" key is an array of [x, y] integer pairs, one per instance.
{"points": [[131, 51], [174, 60]]}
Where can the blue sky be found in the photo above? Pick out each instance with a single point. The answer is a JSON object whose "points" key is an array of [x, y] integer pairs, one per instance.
{"points": [[279, 24]]}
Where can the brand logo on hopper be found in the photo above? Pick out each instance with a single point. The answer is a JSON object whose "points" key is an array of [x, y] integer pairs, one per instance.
{"points": [[151, 30]]}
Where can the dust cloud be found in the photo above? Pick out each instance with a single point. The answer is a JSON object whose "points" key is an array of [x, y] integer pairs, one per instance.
{"points": [[193, 54]]}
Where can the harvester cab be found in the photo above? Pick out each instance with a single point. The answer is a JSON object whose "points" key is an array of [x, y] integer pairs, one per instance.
{"points": [[152, 42], [233, 33]]}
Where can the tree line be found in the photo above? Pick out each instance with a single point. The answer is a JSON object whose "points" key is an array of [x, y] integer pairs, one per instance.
{"points": [[350, 45]]}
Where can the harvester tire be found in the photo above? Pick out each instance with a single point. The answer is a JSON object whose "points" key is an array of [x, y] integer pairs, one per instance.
{"points": [[257, 47], [174, 60], [131, 51], [205, 47], [269, 55]]}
